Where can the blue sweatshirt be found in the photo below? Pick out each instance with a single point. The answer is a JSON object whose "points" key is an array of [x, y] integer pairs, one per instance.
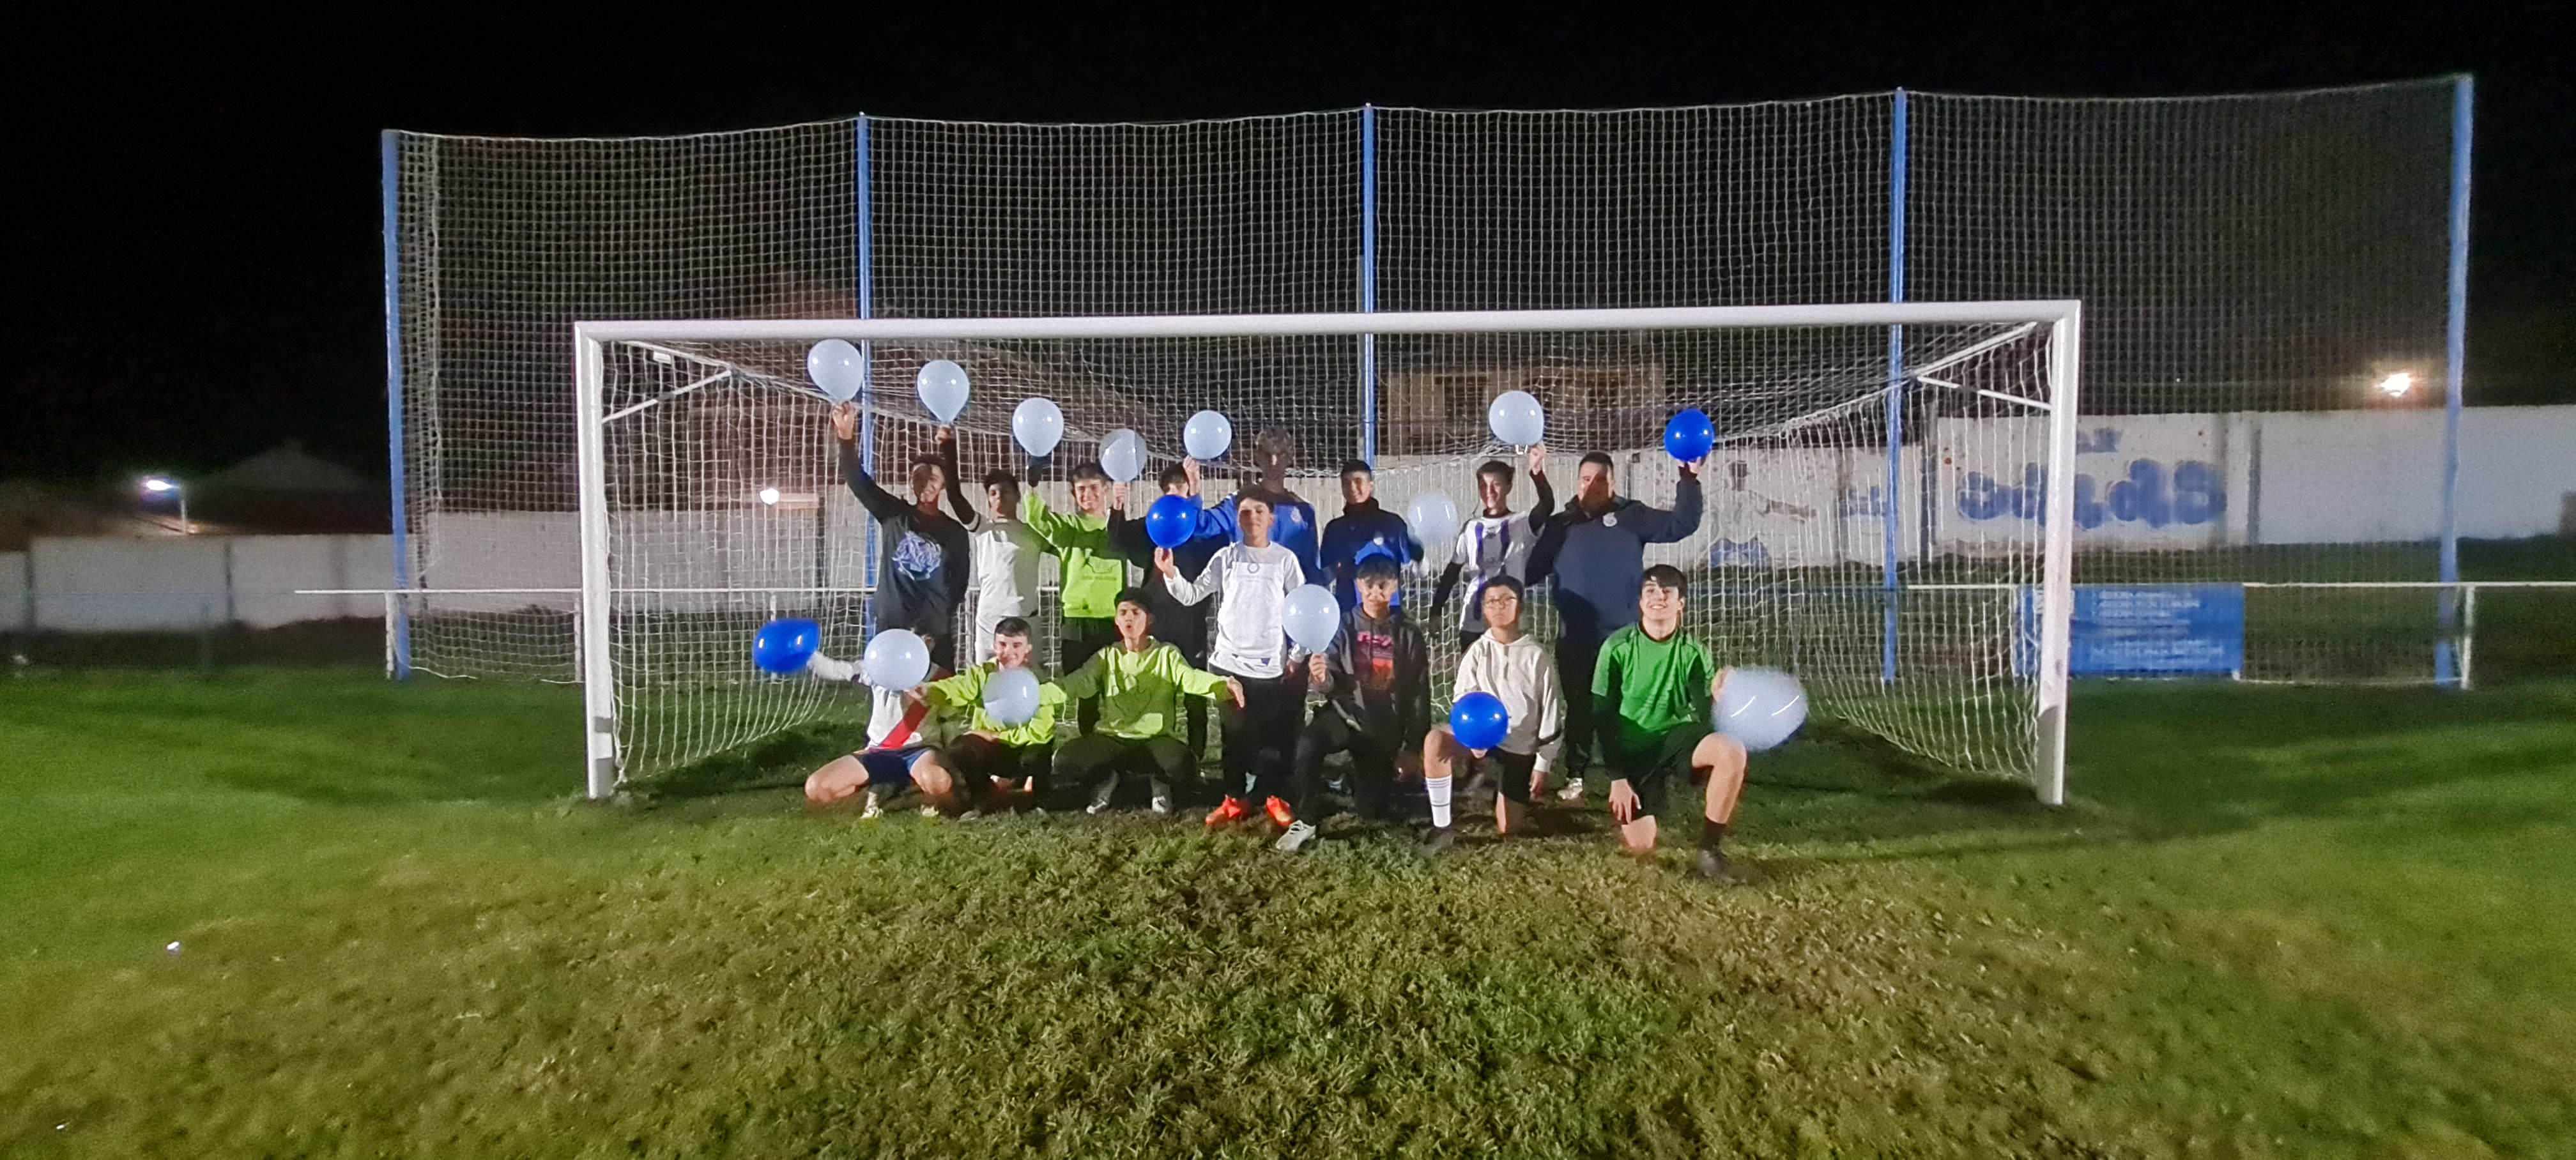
{"points": [[1363, 528], [1599, 562]]}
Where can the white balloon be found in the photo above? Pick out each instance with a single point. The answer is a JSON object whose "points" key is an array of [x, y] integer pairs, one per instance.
{"points": [[1760, 707], [1122, 455], [834, 366], [1011, 697], [1039, 425], [1433, 516], [896, 659], [1517, 419], [942, 387], [1207, 435], [1312, 617]]}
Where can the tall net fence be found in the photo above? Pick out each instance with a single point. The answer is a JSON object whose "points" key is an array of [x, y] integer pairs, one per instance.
{"points": [[726, 505], [2250, 265]]}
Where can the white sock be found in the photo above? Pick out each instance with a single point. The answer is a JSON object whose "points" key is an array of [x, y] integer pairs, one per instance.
{"points": [[1438, 789], [831, 670]]}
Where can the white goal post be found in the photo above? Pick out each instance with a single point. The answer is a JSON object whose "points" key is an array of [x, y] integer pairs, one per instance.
{"points": [[678, 420]]}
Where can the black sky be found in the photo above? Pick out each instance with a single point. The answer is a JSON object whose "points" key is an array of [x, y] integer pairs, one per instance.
{"points": [[193, 260]]}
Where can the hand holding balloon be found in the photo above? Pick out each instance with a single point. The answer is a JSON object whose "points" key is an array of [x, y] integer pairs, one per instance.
{"points": [[1011, 697], [1479, 721], [845, 423]]}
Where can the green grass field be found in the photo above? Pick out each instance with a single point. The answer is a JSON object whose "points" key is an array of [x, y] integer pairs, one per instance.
{"points": [[2279, 921]]}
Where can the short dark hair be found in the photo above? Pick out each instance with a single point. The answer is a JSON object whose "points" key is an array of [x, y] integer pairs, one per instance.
{"points": [[1667, 576], [1377, 567], [1010, 626], [1600, 457], [1001, 477], [1173, 476], [1351, 467], [1276, 439], [922, 467], [1088, 470], [1508, 583], [1496, 468], [1244, 497], [1135, 596]]}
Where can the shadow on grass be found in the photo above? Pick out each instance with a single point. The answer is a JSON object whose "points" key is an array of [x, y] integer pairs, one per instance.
{"points": [[778, 761]]}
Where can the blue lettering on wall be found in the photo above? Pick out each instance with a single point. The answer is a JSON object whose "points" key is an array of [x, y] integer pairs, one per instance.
{"points": [[1863, 501], [1739, 554], [2190, 493]]}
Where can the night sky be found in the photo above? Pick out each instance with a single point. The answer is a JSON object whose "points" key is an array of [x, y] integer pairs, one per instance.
{"points": [[193, 264]]}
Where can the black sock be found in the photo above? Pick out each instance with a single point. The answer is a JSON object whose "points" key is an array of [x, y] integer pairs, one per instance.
{"points": [[1711, 833]]}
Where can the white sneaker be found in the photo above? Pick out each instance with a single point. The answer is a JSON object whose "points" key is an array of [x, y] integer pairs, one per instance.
{"points": [[1100, 797], [1299, 833], [873, 807], [929, 811], [1573, 791], [1162, 797]]}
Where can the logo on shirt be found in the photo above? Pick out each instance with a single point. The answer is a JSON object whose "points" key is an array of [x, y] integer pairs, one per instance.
{"points": [[1610, 521], [918, 557]]}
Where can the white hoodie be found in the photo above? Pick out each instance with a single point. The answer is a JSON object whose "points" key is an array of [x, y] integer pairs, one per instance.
{"points": [[1523, 677]]}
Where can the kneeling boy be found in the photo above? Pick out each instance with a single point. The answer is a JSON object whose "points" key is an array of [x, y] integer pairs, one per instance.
{"points": [[1009, 758], [1140, 682], [1656, 689], [1519, 672], [901, 752]]}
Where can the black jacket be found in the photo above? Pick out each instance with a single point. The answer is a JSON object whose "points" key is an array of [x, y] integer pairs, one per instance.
{"points": [[1393, 706]]}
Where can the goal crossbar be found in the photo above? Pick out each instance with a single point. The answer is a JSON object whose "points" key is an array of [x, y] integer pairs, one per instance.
{"points": [[2061, 317]]}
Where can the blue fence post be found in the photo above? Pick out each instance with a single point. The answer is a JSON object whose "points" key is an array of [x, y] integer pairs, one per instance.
{"points": [[1368, 281], [866, 259], [2455, 357], [390, 189], [1891, 519]]}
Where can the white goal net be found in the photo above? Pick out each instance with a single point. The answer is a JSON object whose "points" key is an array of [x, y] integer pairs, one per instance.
{"points": [[711, 499]]}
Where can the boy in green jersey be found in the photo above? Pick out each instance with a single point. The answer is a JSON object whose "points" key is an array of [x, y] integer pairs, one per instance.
{"points": [[1093, 572], [1658, 688], [1012, 759], [1140, 682]]}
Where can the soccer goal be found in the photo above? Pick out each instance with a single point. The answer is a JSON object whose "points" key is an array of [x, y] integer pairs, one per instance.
{"points": [[711, 500]]}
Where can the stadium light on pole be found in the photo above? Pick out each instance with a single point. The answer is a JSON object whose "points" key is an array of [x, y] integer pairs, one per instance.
{"points": [[769, 496], [164, 485]]}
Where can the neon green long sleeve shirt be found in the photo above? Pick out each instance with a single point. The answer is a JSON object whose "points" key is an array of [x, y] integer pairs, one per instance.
{"points": [[1139, 691], [965, 691], [1093, 571]]}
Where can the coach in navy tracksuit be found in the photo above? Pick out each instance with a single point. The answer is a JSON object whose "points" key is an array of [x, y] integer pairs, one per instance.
{"points": [[1595, 552]]}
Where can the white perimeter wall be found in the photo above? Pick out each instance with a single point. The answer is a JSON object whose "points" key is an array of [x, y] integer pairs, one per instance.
{"points": [[181, 584]]}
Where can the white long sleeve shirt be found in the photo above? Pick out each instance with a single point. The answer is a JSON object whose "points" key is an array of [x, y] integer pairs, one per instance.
{"points": [[1523, 677], [1251, 586], [1006, 555]]}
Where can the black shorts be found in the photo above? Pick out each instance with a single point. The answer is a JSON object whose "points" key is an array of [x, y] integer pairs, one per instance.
{"points": [[1511, 772], [1653, 762]]}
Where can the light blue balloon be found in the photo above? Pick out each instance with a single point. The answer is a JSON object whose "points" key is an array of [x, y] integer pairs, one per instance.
{"points": [[1207, 435], [1433, 517], [834, 366], [1516, 418], [1312, 617], [1011, 697], [896, 659], [1122, 455], [1039, 425], [1760, 707], [942, 386]]}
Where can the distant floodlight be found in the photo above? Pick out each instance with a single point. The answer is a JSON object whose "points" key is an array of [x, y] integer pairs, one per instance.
{"points": [[2395, 386], [769, 495], [156, 485]]}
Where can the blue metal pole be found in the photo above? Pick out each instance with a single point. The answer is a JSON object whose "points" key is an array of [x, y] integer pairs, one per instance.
{"points": [[2455, 358], [866, 259], [389, 178], [1890, 519], [1368, 281]]}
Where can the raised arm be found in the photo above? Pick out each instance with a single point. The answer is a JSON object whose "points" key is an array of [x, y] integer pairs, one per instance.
{"points": [[956, 479], [1657, 526], [882, 504], [1542, 561], [1546, 494]]}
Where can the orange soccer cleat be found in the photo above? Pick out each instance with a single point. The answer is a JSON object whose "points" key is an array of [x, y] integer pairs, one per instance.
{"points": [[1280, 815], [1227, 813]]}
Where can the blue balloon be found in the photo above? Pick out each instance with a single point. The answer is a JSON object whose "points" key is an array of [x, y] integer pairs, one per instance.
{"points": [[1689, 436], [1207, 435], [1011, 697], [1171, 521], [1479, 721], [943, 389], [1312, 617], [896, 659], [1760, 707], [1516, 418], [783, 646]]}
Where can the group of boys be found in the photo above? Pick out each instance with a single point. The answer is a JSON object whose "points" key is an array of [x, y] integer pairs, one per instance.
{"points": [[1140, 662]]}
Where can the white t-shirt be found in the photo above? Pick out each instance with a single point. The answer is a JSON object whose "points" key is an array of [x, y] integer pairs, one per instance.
{"points": [[1006, 568], [1252, 586], [1490, 546], [1523, 677]]}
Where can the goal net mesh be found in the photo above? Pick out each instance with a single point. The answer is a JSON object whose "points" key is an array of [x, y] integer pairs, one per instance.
{"points": [[2249, 265], [727, 507]]}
